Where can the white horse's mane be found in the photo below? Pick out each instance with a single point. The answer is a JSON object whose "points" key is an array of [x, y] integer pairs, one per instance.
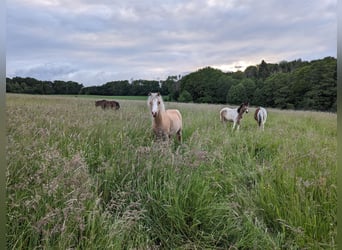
{"points": [[158, 97]]}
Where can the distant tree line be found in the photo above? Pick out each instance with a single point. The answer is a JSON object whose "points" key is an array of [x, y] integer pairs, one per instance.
{"points": [[30, 85], [124, 88], [287, 85]]}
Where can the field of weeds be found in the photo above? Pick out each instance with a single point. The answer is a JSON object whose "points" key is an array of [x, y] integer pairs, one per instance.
{"points": [[79, 177]]}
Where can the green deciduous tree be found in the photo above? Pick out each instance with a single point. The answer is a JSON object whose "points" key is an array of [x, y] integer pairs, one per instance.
{"points": [[237, 94]]}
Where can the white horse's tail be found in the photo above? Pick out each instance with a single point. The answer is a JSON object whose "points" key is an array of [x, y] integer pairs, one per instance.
{"points": [[221, 115], [260, 118]]}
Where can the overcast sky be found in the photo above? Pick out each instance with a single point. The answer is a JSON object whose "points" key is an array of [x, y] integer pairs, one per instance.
{"points": [[96, 41]]}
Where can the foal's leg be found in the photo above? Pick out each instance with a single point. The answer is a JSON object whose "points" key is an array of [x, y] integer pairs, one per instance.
{"points": [[179, 135]]}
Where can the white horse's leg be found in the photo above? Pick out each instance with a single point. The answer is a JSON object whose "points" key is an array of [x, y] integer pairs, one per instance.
{"points": [[179, 136]]}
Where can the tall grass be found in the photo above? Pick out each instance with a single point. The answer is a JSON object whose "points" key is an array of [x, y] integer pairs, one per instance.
{"points": [[83, 178]]}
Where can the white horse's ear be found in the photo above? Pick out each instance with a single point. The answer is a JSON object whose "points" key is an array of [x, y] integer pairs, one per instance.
{"points": [[149, 93], [158, 94]]}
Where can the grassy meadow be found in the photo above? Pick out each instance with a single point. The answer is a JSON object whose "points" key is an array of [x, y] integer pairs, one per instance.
{"points": [[79, 177]]}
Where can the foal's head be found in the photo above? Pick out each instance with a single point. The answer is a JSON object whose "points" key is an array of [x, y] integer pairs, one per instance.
{"points": [[243, 108], [156, 104]]}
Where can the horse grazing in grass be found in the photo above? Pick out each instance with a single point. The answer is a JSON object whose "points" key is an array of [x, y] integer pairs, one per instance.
{"points": [[165, 123], [234, 115], [260, 116], [107, 104], [113, 104], [101, 103]]}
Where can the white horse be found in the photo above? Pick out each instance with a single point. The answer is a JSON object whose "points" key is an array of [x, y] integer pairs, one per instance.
{"points": [[260, 116], [164, 122], [234, 115]]}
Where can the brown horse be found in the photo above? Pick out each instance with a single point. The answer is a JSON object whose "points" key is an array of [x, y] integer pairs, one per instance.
{"points": [[107, 104], [113, 104], [165, 123]]}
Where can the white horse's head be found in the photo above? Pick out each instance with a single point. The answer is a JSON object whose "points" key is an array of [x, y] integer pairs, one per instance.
{"points": [[156, 104]]}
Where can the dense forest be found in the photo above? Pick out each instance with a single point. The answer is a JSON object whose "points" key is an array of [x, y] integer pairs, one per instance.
{"points": [[287, 85], [30, 85]]}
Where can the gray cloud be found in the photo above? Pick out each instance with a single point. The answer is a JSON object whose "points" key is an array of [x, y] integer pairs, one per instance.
{"points": [[97, 41], [48, 71]]}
